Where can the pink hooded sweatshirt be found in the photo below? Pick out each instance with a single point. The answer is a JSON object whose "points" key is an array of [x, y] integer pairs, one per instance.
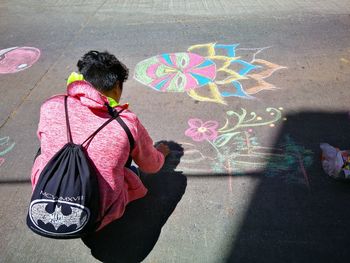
{"points": [[109, 149]]}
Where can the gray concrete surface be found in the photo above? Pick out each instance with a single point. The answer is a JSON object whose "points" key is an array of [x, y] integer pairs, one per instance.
{"points": [[249, 215]]}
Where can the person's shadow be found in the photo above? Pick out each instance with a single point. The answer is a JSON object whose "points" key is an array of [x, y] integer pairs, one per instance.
{"points": [[132, 237]]}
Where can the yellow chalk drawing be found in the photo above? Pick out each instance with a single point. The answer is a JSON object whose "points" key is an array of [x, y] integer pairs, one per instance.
{"points": [[232, 80], [345, 60]]}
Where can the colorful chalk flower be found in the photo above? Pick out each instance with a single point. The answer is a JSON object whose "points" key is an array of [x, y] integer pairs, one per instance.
{"points": [[200, 131]]}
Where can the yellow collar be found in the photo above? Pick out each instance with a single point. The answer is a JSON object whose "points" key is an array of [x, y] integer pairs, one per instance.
{"points": [[112, 102]]}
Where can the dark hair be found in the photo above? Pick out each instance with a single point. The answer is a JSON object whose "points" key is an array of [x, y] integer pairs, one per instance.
{"points": [[103, 70]]}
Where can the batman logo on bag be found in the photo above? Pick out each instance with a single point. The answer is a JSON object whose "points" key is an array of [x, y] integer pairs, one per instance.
{"points": [[58, 217]]}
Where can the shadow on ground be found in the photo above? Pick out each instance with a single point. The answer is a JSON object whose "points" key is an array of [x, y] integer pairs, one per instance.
{"points": [[289, 222], [286, 221], [131, 238]]}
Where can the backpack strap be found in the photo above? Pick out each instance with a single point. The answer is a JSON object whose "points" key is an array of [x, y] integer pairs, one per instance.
{"points": [[89, 139], [69, 134], [115, 115], [130, 137]]}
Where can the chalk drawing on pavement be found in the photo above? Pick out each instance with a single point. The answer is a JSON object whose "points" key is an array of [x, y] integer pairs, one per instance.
{"points": [[209, 72], [345, 60], [6, 145], [16, 59], [235, 149]]}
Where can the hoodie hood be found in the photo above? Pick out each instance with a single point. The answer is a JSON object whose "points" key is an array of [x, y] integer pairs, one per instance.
{"points": [[87, 94]]}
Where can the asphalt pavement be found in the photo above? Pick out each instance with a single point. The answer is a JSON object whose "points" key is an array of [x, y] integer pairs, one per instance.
{"points": [[248, 89]]}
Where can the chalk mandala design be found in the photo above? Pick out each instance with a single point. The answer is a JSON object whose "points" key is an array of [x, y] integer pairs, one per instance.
{"points": [[177, 72], [208, 72]]}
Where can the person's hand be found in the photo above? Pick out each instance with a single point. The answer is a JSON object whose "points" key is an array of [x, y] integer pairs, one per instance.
{"points": [[163, 148]]}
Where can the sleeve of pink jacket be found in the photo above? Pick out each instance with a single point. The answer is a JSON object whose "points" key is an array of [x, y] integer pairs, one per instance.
{"points": [[144, 154]]}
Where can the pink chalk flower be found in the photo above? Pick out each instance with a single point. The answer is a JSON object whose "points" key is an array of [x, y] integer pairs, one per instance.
{"points": [[200, 131]]}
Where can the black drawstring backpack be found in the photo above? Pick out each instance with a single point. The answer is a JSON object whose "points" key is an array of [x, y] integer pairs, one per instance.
{"points": [[65, 201]]}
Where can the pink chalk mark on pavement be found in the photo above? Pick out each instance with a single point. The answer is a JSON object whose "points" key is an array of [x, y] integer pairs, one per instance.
{"points": [[16, 59], [200, 131], [306, 177], [2, 160]]}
